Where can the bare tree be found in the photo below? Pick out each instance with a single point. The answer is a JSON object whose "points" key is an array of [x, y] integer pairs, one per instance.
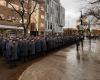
{"points": [[97, 1], [27, 8], [93, 8]]}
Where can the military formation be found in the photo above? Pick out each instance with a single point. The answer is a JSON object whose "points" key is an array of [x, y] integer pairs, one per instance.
{"points": [[21, 49]]}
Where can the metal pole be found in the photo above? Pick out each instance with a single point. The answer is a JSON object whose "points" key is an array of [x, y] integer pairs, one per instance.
{"points": [[81, 31], [81, 18]]}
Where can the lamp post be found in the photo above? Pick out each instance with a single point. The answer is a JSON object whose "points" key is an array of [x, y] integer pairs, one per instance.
{"points": [[81, 18], [81, 25]]}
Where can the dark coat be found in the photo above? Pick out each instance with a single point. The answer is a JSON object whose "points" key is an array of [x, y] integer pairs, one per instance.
{"points": [[4, 42], [20, 48], [48, 43], [38, 46], [24, 48], [8, 51], [14, 55], [43, 45], [1, 39], [31, 48]]}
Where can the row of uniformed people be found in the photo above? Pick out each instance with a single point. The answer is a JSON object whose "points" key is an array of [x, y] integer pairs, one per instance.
{"points": [[23, 48]]}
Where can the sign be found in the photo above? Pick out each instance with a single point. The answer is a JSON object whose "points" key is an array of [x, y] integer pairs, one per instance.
{"points": [[81, 27]]}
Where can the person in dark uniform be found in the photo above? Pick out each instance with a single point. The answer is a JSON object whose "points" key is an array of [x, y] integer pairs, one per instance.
{"points": [[82, 44], [4, 42], [31, 48], [77, 44], [20, 49], [1, 39], [38, 46], [51, 43], [54, 43], [8, 51], [11, 53], [24, 49], [43, 45], [13, 56], [48, 43]]}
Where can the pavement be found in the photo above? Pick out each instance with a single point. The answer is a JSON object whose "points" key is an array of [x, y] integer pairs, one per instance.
{"points": [[68, 64], [13, 74]]}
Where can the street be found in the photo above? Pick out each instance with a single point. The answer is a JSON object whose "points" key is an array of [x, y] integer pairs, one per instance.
{"points": [[68, 64]]}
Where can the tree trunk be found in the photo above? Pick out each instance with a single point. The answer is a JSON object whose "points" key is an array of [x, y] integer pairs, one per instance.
{"points": [[25, 32]]}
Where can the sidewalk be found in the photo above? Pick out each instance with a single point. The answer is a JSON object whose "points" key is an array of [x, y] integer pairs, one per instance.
{"points": [[68, 64]]}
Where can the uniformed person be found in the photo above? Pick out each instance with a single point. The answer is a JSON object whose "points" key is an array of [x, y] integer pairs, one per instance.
{"points": [[51, 43], [1, 39], [20, 49], [8, 51], [11, 53], [4, 42], [43, 45], [25, 49], [31, 48], [14, 56], [48, 43], [77, 44], [37, 46]]}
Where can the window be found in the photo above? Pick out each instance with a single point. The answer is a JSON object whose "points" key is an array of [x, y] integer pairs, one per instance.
{"points": [[42, 25], [42, 8], [42, 16]]}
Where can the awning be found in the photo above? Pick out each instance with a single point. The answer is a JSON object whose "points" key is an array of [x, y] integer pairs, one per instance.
{"points": [[10, 27]]}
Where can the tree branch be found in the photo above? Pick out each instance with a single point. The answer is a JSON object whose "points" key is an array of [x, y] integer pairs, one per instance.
{"points": [[22, 5], [14, 8], [95, 2], [29, 15], [97, 15], [34, 7]]}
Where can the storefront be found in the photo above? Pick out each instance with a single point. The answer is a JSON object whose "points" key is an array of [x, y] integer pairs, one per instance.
{"points": [[6, 30]]}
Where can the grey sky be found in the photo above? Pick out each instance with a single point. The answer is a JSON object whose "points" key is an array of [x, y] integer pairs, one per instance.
{"points": [[72, 8]]}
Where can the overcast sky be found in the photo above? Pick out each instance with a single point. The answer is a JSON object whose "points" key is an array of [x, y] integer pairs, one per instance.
{"points": [[72, 8]]}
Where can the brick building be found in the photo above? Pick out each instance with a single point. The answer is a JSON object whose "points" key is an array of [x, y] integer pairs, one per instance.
{"points": [[10, 20], [70, 31]]}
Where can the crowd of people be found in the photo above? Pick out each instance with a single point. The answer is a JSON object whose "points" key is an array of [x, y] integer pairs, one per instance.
{"points": [[24, 48]]}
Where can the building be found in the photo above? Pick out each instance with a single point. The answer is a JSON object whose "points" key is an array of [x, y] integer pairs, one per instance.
{"points": [[70, 31], [10, 20], [38, 20], [62, 17], [95, 32], [54, 16], [46, 18], [41, 22]]}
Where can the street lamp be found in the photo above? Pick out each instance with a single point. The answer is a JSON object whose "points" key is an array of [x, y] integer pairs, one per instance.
{"points": [[81, 18], [81, 26]]}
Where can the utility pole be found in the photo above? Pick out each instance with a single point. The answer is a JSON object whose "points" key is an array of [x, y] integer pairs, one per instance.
{"points": [[81, 26], [81, 18]]}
